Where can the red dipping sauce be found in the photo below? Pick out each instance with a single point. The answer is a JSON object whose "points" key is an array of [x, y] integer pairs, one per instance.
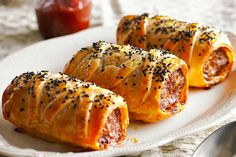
{"points": [[62, 17]]}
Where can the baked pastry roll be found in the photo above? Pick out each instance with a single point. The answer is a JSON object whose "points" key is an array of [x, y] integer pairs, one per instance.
{"points": [[59, 108], [154, 84], [207, 51]]}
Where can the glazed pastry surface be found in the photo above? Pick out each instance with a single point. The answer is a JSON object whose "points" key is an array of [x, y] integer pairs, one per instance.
{"points": [[154, 84], [56, 107], [207, 51]]}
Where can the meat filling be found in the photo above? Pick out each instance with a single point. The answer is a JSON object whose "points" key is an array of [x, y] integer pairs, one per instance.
{"points": [[171, 91], [215, 64], [111, 134]]}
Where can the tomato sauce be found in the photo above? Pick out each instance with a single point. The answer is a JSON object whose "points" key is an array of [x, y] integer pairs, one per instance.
{"points": [[62, 17]]}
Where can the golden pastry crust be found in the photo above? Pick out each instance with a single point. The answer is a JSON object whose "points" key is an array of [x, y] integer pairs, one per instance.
{"points": [[59, 108], [192, 42], [138, 76]]}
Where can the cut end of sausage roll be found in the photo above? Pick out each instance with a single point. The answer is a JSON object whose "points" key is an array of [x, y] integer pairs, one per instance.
{"points": [[217, 66], [207, 51], [136, 75], [172, 91], [111, 133], [63, 109]]}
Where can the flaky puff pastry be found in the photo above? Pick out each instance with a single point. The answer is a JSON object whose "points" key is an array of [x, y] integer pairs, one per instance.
{"points": [[154, 84], [59, 108], [207, 51]]}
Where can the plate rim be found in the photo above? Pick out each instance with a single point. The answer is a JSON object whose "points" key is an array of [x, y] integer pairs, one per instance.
{"points": [[204, 123]]}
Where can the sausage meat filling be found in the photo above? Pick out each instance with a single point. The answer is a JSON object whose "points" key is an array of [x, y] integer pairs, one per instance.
{"points": [[215, 64], [111, 133], [171, 91]]}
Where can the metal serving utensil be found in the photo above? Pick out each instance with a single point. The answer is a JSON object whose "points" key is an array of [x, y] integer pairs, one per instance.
{"points": [[221, 143]]}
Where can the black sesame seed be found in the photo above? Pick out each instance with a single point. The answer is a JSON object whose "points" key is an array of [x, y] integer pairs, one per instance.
{"points": [[19, 130], [57, 92], [86, 86], [22, 109], [85, 95]]}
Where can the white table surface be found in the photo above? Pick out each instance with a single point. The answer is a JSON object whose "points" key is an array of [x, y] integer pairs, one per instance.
{"points": [[18, 29]]}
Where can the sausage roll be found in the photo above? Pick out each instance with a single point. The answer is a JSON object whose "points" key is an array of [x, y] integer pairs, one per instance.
{"points": [[59, 108], [154, 84], [207, 51]]}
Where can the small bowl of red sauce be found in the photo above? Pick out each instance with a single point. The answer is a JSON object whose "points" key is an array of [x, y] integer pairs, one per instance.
{"points": [[61, 17]]}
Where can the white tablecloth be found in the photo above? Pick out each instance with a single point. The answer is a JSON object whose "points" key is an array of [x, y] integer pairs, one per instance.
{"points": [[18, 28]]}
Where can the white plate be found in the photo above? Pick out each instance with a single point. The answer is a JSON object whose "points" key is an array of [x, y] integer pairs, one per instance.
{"points": [[205, 107]]}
